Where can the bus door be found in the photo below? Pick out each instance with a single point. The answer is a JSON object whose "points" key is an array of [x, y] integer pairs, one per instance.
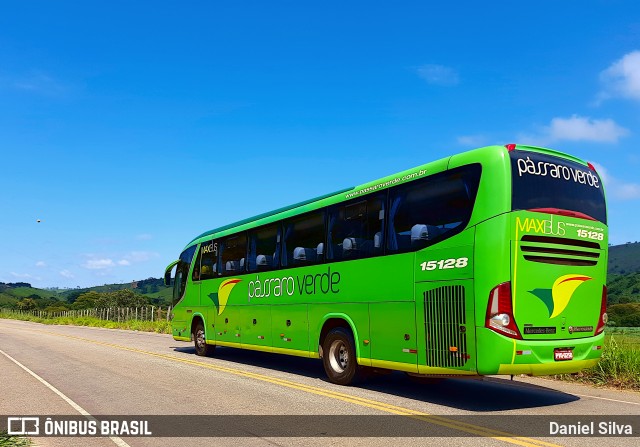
{"points": [[208, 262]]}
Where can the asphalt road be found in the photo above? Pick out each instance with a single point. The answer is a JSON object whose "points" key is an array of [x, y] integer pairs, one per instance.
{"points": [[85, 372]]}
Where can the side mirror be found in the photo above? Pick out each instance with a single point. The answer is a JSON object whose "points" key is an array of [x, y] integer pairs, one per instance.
{"points": [[167, 273]]}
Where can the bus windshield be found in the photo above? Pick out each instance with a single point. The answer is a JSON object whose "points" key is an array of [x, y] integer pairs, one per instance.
{"points": [[182, 273], [544, 182]]}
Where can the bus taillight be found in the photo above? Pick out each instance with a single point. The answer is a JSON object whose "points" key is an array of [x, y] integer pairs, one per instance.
{"points": [[500, 312], [602, 319]]}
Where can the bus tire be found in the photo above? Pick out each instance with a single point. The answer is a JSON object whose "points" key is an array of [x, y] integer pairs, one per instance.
{"points": [[200, 342], [339, 358]]}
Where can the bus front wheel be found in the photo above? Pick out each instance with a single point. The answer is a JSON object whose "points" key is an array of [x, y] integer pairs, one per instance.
{"points": [[200, 342], [339, 357]]}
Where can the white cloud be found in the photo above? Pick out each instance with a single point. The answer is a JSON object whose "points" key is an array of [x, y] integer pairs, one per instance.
{"points": [[615, 187], [36, 82], [101, 263], [98, 264], [622, 78], [24, 276], [438, 74], [140, 256], [41, 264], [67, 274], [472, 140], [577, 128]]}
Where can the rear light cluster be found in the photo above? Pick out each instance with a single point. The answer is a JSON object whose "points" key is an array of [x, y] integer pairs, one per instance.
{"points": [[500, 312], [603, 318]]}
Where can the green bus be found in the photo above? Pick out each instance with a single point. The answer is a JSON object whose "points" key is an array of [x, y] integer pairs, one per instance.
{"points": [[492, 261]]}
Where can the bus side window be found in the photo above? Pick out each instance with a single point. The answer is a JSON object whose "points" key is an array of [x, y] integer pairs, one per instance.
{"points": [[424, 212], [356, 229], [233, 252], [303, 241], [264, 248], [209, 260]]}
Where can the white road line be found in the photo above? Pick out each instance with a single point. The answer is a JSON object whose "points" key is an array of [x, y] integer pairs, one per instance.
{"points": [[529, 385], [606, 398], [117, 441]]}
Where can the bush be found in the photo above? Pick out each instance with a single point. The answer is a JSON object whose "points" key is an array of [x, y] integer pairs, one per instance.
{"points": [[619, 366]]}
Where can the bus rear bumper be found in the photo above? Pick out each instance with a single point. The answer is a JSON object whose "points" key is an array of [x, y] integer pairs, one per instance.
{"points": [[498, 354]]}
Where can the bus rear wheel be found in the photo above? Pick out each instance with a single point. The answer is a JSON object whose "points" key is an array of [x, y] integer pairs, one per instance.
{"points": [[200, 342], [339, 358]]}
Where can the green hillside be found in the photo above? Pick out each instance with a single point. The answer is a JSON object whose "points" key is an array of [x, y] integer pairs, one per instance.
{"points": [[12, 293], [151, 288], [7, 300], [623, 282], [623, 289], [624, 259], [23, 296]]}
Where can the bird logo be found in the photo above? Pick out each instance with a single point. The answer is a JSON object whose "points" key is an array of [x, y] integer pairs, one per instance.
{"points": [[220, 299], [557, 298]]}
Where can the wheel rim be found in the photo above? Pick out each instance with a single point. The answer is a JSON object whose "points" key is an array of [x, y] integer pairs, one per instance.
{"points": [[200, 341], [338, 356]]}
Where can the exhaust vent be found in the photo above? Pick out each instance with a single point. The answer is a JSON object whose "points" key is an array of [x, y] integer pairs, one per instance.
{"points": [[446, 333], [559, 250]]}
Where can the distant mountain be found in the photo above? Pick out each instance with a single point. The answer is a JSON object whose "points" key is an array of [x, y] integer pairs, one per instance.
{"points": [[623, 282], [11, 293], [624, 258], [153, 288]]}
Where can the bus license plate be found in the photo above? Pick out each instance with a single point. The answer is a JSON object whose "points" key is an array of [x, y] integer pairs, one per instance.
{"points": [[562, 354]]}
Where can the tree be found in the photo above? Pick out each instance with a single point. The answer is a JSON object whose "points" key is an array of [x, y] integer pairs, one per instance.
{"points": [[87, 300], [27, 304], [632, 320], [128, 298], [56, 308], [73, 296], [46, 302]]}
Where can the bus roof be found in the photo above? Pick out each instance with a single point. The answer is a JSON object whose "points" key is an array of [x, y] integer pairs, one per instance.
{"points": [[268, 213], [380, 184]]}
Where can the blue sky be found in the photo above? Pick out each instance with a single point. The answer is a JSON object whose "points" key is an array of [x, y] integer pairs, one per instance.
{"points": [[128, 128]]}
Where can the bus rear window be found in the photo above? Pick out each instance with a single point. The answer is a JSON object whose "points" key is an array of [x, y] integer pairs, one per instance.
{"points": [[543, 181]]}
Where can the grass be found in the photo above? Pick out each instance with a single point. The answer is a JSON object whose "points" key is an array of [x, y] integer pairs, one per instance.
{"points": [[619, 366], [631, 333], [7, 440], [161, 326]]}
